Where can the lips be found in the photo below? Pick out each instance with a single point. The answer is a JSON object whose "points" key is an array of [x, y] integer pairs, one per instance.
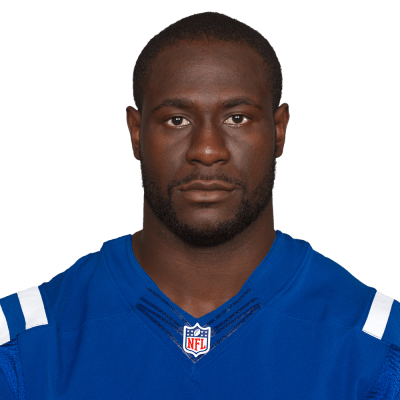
{"points": [[207, 186]]}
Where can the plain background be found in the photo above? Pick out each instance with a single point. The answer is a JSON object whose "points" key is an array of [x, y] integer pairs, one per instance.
{"points": [[69, 181]]}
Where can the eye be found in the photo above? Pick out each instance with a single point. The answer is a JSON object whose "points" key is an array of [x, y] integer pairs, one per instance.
{"points": [[237, 119], [178, 122]]}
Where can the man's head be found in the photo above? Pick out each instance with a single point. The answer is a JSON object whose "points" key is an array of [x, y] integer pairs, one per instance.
{"points": [[208, 127], [207, 26]]}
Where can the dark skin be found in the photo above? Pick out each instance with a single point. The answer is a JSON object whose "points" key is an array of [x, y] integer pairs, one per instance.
{"points": [[209, 136]]}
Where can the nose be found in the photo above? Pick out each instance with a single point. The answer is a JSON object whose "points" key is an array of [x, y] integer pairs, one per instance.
{"points": [[207, 146]]}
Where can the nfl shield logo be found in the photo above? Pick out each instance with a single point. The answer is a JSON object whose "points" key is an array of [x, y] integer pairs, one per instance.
{"points": [[196, 340]]}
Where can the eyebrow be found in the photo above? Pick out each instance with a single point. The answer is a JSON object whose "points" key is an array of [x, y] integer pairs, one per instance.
{"points": [[186, 103]]}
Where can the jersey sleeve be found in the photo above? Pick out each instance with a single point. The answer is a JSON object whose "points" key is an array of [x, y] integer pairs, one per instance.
{"points": [[12, 384], [391, 332], [18, 312], [383, 323]]}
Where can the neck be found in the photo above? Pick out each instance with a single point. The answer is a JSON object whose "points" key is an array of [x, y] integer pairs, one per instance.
{"points": [[200, 279]]}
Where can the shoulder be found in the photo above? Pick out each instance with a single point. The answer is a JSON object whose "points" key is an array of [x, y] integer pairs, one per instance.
{"points": [[383, 324], [384, 319], [324, 291], [84, 291], [355, 304], [37, 305]]}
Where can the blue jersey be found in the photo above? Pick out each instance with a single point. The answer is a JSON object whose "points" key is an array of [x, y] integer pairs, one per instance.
{"points": [[301, 327]]}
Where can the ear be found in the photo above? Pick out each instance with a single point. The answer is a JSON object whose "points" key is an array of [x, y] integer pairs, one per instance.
{"points": [[281, 119], [133, 120]]}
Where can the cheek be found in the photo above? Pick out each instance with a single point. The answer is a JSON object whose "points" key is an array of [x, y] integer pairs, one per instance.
{"points": [[253, 158], [161, 156]]}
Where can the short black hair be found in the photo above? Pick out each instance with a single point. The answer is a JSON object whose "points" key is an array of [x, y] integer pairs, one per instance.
{"points": [[204, 26]]}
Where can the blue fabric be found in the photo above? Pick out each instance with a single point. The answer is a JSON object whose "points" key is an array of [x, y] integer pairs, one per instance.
{"points": [[293, 331], [392, 331], [14, 315], [5, 391], [157, 309], [11, 369], [387, 385]]}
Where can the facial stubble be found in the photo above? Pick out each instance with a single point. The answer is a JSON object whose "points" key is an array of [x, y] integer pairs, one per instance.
{"points": [[248, 211]]}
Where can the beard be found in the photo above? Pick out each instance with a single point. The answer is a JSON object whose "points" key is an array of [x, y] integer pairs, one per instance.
{"points": [[248, 211]]}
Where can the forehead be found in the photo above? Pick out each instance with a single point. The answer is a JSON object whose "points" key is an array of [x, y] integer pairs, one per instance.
{"points": [[207, 71]]}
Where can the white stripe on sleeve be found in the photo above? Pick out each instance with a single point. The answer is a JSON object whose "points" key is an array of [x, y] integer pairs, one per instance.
{"points": [[4, 331], [32, 307], [378, 316]]}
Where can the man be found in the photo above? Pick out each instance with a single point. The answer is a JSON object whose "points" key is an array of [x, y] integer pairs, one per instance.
{"points": [[208, 300]]}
